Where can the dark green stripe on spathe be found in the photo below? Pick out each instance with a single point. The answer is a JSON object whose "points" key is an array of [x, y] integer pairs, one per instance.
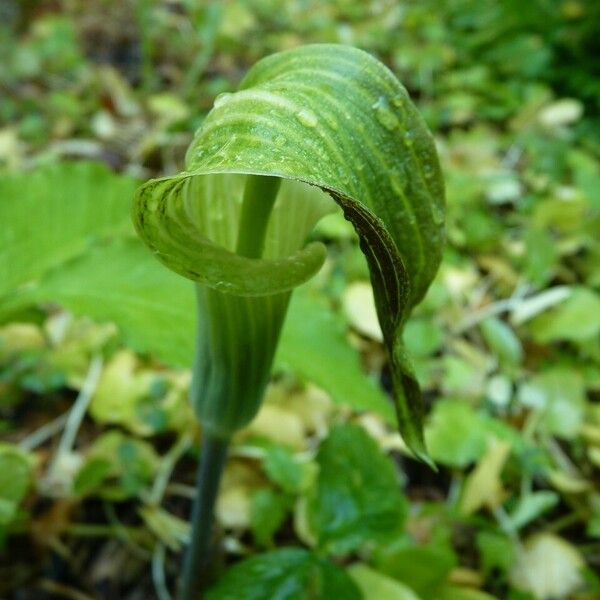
{"points": [[336, 118], [236, 340]]}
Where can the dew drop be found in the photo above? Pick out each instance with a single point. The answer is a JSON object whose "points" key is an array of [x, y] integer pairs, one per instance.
{"points": [[398, 101], [280, 140], [222, 99], [343, 175], [307, 118], [437, 214], [384, 114]]}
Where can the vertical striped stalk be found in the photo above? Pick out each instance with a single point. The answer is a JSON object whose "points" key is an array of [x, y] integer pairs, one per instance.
{"points": [[235, 345]]}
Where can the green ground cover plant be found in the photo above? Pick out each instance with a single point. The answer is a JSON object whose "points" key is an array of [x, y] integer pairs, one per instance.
{"points": [[319, 497]]}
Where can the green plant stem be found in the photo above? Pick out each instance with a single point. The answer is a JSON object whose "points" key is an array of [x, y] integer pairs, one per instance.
{"points": [[198, 558], [259, 196]]}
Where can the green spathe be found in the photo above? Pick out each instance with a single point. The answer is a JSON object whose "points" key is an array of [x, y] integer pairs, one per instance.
{"points": [[337, 119]]}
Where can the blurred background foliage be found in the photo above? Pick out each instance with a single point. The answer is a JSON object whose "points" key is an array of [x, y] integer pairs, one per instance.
{"points": [[98, 450]]}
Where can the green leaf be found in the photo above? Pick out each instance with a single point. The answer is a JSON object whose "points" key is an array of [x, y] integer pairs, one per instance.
{"points": [[593, 526], [50, 215], [268, 511], [560, 396], [282, 468], [455, 592], [502, 341], [119, 282], [357, 498], [422, 568], [155, 311], [335, 118], [531, 506], [91, 475], [497, 551], [375, 586], [456, 435], [285, 574], [575, 319], [541, 255], [15, 479], [423, 337]]}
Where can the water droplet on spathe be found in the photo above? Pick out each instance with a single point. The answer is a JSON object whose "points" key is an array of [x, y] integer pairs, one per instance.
{"points": [[437, 213], [397, 101], [343, 175], [385, 115], [307, 118]]}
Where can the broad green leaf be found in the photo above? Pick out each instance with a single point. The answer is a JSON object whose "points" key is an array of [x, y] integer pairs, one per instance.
{"points": [[423, 568], [375, 586], [496, 550], [282, 468], [357, 498], [91, 475], [586, 172], [455, 592], [335, 118], [15, 479], [540, 257], [50, 215], [456, 435], [268, 511], [531, 506], [155, 311], [423, 337], [502, 341], [119, 282], [285, 574], [575, 319], [559, 394], [593, 526]]}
